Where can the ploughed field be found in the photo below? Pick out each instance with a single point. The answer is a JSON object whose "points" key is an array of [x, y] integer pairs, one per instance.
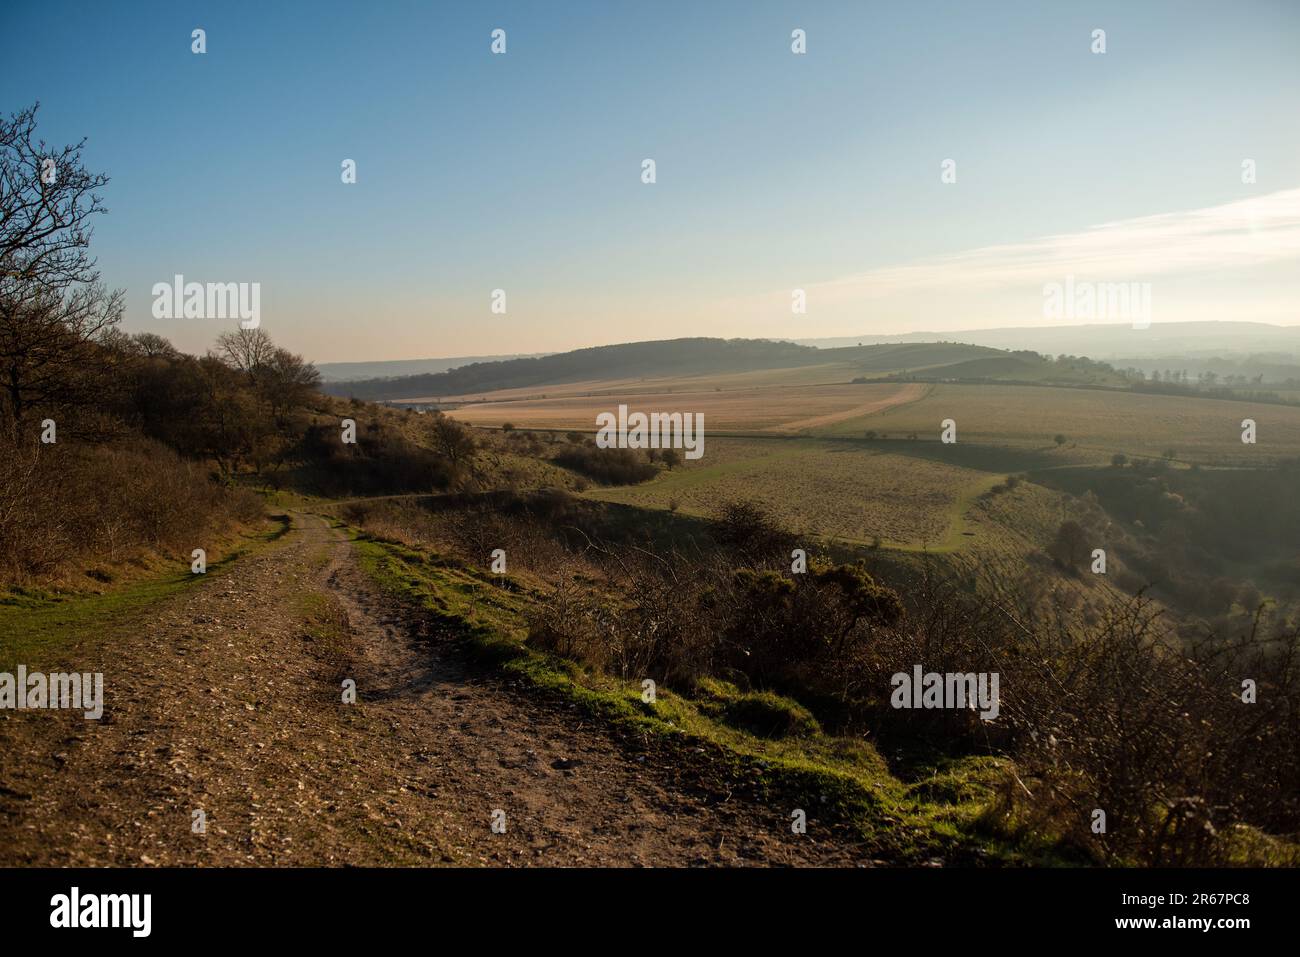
{"points": [[772, 408]]}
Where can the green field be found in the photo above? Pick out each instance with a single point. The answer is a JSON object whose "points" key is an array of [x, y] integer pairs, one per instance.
{"points": [[851, 491], [1095, 423]]}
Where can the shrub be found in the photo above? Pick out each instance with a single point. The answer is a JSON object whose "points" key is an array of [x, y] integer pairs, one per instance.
{"points": [[803, 631], [63, 508], [748, 529], [607, 466]]}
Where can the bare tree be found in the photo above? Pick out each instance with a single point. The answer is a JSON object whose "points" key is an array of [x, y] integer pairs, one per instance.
{"points": [[150, 345], [248, 350], [55, 316], [47, 199]]}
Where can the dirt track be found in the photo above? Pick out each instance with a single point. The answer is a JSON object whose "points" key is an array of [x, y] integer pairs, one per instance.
{"points": [[221, 700], [904, 395]]}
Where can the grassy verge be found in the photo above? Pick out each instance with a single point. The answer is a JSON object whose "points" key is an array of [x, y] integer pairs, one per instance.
{"points": [[37, 624], [765, 745]]}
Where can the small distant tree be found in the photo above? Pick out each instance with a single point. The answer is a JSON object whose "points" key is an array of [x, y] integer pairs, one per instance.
{"points": [[1249, 596], [452, 440], [671, 458], [1059, 439], [1070, 547], [1119, 460]]}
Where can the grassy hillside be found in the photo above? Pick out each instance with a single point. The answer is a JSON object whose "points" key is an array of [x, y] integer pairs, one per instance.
{"points": [[849, 491], [910, 356], [679, 361], [676, 356]]}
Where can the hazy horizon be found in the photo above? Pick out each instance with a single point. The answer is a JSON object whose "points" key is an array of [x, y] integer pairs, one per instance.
{"points": [[360, 369]]}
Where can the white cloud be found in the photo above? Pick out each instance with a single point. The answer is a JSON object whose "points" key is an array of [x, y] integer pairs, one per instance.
{"points": [[1238, 235]]}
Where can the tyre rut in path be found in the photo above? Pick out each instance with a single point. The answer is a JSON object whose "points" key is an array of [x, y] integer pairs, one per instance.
{"points": [[221, 700]]}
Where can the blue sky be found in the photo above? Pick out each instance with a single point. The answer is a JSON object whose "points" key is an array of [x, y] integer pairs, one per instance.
{"points": [[775, 171]]}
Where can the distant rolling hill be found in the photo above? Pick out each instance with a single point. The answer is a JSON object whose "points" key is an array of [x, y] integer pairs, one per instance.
{"points": [[391, 368], [633, 359], [955, 362], [907, 357], [1108, 341], [686, 358], [998, 366]]}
